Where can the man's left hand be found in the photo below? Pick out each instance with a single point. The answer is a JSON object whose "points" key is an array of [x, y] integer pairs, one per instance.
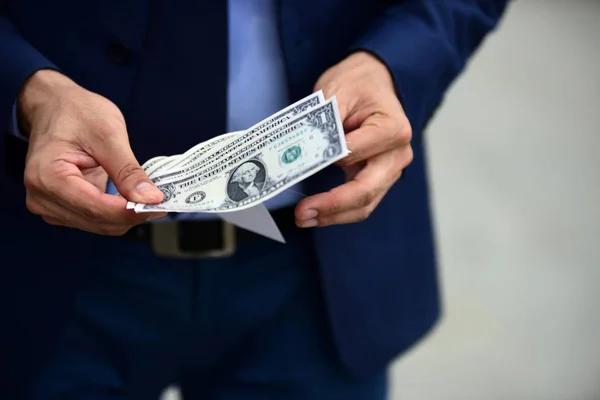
{"points": [[378, 136]]}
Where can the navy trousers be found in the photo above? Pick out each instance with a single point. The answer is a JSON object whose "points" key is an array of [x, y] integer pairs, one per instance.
{"points": [[93, 317]]}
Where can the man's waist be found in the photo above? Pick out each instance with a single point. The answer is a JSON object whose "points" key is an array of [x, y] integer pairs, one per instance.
{"points": [[203, 238]]}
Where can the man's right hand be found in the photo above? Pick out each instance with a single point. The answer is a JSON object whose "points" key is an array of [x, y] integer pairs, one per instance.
{"points": [[77, 139]]}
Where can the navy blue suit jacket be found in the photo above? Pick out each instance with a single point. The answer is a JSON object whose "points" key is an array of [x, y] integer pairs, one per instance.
{"points": [[160, 62]]}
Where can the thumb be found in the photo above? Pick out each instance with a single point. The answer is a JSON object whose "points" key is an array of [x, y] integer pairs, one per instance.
{"points": [[117, 159]]}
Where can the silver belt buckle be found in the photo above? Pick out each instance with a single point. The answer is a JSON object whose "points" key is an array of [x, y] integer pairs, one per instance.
{"points": [[165, 242]]}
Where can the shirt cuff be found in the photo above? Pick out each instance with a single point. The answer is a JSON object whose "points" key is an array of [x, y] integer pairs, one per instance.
{"points": [[14, 125]]}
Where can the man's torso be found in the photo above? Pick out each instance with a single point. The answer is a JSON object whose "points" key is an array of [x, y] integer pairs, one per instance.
{"points": [[165, 63]]}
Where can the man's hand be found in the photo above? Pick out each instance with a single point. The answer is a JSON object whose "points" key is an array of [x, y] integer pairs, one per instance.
{"points": [[378, 135], [77, 139]]}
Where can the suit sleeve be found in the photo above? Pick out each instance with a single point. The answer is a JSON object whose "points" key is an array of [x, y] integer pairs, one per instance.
{"points": [[426, 44], [18, 61]]}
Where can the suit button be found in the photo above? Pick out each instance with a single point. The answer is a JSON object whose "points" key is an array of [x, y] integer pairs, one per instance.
{"points": [[119, 53]]}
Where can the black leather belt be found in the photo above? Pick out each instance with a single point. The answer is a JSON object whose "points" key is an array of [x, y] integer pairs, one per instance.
{"points": [[201, 238]]}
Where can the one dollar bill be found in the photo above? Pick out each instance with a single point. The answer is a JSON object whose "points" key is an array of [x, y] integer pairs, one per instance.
{"points": [[252, 171]]}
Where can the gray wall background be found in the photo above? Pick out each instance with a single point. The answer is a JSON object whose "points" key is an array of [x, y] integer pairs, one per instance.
{"points": [[514, 157]]}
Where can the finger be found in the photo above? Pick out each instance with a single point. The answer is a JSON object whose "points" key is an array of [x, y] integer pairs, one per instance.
{"points": [[349, 196], [378, 134], [347, 217], [38, 205], [55, 214], [100, 229], [355, 194], [361, 194], [80, 196], [114, 154]]}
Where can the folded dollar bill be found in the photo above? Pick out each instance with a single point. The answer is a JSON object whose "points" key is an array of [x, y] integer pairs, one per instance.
{"points": [[239, 170]]}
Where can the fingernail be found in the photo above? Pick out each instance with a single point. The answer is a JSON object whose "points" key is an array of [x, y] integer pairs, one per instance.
{"points": [[144, 188], [308, 224], [309, 214], [149, 191]]}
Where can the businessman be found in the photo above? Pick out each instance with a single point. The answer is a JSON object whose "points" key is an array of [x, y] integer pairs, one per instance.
{"points": [[102, 303]]}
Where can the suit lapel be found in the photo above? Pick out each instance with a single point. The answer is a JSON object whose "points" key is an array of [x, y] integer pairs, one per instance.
{"points": [[185, 60]]}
